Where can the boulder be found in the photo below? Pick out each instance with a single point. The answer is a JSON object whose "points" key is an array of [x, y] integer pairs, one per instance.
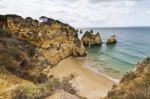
{"points": [[91, 39], [111, 40]]}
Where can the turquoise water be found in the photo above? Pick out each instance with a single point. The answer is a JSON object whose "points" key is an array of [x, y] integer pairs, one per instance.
{"points": [[115, 60]]}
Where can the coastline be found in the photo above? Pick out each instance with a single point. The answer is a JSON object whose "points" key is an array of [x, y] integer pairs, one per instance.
{"points": [[88, 83], [81, 61]]}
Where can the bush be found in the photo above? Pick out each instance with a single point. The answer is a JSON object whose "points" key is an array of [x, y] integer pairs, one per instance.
{"points": [[128, 76], [43, 90], [140, 93], [32, 92], [133, 85]]}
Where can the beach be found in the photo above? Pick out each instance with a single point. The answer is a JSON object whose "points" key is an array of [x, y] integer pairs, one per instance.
{"points": [[88, 84]]}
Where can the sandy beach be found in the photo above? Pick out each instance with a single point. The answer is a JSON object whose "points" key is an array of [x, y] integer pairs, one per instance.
{"points": [[88, 83]]}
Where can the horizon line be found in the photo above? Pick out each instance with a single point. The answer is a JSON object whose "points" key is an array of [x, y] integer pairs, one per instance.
{"points": [[116, 27]]}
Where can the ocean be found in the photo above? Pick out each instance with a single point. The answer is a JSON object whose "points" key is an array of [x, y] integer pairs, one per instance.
{"points": [[115, 60]]}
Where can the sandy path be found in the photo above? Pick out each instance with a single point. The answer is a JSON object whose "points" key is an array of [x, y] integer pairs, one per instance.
{"points": [[88, 83]]}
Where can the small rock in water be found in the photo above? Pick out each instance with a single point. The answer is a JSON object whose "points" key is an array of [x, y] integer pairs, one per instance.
{"points": [[111, 40]]}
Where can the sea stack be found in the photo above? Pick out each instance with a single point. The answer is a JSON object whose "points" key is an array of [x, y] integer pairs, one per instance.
{"points": [[112, 40], [91, 39]]}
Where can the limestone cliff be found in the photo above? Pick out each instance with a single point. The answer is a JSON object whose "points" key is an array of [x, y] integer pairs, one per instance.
{"points": [[28, 46], [53, 39]]}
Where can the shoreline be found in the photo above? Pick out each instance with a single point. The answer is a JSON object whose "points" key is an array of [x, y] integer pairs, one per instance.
{"points": [[88, 83], [97, 72], [102, 74]]}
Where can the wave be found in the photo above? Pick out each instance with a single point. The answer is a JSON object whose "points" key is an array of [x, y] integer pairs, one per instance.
{"points": [[138, 50], [115, 57], [129, 54], [103, 74]]}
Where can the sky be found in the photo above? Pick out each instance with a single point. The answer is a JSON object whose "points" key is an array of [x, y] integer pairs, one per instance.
{"points": [[83, 13]]}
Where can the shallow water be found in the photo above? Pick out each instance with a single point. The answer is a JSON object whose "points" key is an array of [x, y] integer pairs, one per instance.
{"points": [[115, 60]]}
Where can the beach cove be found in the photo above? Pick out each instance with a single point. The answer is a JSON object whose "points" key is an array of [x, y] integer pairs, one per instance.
{"points": [[88, 83]]}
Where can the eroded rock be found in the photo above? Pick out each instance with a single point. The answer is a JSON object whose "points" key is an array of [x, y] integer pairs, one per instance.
{"points": [[29, 46], [91, 39], [111, 40]]}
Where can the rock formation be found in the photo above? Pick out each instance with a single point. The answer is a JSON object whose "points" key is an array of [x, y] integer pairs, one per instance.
{"points": [[91, 39], [111, 40], [51, 36], [28, 46]]}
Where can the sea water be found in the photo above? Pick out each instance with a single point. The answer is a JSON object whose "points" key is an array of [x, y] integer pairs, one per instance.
{"points": [[133, 45]]}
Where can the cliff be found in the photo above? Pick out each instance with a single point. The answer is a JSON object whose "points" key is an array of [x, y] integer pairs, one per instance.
{"points": [[52, 39], [133, 85], [28, 47]]}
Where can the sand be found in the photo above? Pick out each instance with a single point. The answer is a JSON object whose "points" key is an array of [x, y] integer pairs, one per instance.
{"points": [[87, 83]]}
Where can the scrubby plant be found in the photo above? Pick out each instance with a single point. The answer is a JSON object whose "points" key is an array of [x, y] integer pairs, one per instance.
{"points": [[4, 34], [43, 90], [128, 76], [133, 85]]}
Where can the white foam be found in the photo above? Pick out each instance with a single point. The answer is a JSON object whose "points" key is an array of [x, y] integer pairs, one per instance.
{"points": [[100, 73]]}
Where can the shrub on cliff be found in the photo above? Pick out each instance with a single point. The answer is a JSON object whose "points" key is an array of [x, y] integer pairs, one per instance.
{"points": [[134, 85], [4, 34]]}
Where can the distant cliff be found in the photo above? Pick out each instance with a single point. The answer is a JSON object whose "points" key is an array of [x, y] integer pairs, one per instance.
{"points": [[133, 85]]}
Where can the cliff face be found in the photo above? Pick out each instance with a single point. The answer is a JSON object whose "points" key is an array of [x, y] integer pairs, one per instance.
{"points": [[45, 34], [133, 85], [57, 40], [27, 46]]}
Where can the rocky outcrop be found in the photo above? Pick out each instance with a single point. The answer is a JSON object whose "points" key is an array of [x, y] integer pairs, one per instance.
{"points": [[49, 35], [111, 40], [79, 50], [29, 46], [133, 85], [91, 39]]}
